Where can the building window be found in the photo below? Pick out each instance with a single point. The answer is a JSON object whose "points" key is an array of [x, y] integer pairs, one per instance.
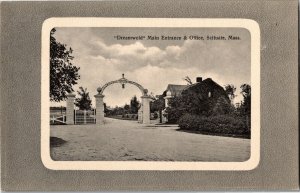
{"points": [[209, 94]]}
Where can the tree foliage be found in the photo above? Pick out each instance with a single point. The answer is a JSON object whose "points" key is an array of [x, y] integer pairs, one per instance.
{"points": [[132, 108], [244, 110], [188, 80], [158, 105], [205, 99], [105, 108], [83, 102], [63, 74], [246, 103], [190, 102], [222, 107], [230, 90], [134, 105], [126, 108]]}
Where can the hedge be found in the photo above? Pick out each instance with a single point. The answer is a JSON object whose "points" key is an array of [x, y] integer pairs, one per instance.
{"points": [[219, 124]]}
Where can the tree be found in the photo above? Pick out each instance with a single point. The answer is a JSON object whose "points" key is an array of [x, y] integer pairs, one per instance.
{"points": [[63, 74], [246, 103], [188, 80], [176, 108], [158, 105], [134, 105], [222, 107], [106, 110], [189, 102], [84, 102], [198, 102], [245, 108], [230, 90], [126, 108], [246, 90]]}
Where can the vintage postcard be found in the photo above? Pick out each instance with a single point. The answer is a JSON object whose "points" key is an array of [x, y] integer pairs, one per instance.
{"points": [[150, 94]]}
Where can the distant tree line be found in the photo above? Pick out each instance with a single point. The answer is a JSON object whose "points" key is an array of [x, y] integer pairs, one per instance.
{"points": [[131, 108]]}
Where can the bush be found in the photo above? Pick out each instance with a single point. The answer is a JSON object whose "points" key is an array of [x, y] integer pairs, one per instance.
{"points": [[173, 114], [155, 115], [222, 124]]}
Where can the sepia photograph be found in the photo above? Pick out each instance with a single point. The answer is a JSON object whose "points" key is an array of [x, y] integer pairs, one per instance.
{"points": [[159, 94], [149, 96]]}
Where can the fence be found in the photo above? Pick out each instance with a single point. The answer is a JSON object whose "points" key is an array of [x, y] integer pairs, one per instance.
{"points": [[57, 116], [84, 117]]}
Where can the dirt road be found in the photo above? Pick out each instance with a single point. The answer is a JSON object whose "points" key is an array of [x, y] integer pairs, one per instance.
{"points": [[119, 140]]}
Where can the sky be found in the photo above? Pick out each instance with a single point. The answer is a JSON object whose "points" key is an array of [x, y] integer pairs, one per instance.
{"points": [[155, 63]]}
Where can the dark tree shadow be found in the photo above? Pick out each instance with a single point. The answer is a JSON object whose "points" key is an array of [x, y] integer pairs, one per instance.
{"points": [[56, 142]]}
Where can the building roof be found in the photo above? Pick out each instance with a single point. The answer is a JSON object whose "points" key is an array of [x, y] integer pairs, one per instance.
{"points": [[205, 88], [205, 83], [202, 87], [175, 89]]}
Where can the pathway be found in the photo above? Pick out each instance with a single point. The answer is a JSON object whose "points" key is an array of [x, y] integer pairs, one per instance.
{"points": [[119, 140]]}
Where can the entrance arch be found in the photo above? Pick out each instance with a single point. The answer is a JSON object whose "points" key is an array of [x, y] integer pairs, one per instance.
{"points": [[144, 111]]}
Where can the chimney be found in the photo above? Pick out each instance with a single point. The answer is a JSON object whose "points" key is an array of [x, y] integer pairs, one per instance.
{"points": [[199, 79]]}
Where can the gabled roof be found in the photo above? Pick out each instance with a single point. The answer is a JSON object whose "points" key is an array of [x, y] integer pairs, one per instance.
{"points": [[175, 89], [201, 87], [205, 87], [205, 83]]}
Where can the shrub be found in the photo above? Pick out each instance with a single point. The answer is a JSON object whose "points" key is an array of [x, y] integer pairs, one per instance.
{"points": [[189, 122], [155, 115], [222, 124]]}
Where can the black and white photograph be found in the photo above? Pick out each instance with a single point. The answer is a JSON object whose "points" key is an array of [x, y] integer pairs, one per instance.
{"points": [[150, 94]]}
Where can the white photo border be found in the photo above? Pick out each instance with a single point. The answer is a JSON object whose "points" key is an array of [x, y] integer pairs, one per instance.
{"points": [[248, 24]]}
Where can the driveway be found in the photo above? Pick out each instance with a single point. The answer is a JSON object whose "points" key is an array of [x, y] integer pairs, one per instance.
{"points": [[120, 140]]}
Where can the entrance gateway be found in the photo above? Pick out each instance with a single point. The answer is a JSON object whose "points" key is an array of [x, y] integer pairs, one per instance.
{"points": [[143, 113]]}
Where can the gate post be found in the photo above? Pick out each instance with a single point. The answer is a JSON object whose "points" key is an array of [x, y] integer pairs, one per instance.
{"points": [[146, 109], [99, 108], [84, 116], [70, 109], [167, 99], [140, 114]]}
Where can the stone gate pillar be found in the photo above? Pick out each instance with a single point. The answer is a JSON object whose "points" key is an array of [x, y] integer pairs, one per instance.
{"points": [[140, 115], [70, 109], [146, 109], [167, 98], [99, 108]]}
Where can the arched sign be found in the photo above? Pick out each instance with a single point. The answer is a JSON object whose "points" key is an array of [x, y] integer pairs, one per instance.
{"points": [[122, 81], [144, 111]]}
